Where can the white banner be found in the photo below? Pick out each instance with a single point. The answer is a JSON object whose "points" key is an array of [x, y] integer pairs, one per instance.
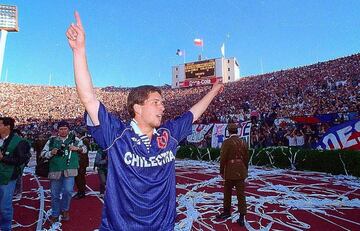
{"points": [[220, 133], [198, 132]]}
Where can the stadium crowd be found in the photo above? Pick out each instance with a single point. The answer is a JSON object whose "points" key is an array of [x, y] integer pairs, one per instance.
{"points": [[322, 88]]}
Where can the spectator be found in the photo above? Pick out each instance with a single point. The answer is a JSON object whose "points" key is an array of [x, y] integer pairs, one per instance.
{"points": [[19, 182], [100, 163], [14, 155], [315, 97], [62, 152], [299, 138], [290, 136], [80, 179]]}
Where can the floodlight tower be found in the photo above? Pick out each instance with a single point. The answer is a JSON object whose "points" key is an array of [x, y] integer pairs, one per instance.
{"points": [[8, 23]]}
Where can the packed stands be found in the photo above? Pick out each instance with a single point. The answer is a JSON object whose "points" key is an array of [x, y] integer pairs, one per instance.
{"points": [[327, 87]]}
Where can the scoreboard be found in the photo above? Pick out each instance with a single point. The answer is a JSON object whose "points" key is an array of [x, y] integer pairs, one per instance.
{"points": [[200, 69], [205, 72], [199, 73]]}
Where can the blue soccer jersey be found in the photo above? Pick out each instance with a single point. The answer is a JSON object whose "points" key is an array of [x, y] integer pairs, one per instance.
{"points": [[140, 190]]}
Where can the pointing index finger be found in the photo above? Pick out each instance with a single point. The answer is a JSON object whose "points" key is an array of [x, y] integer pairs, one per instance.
{"points": [[78, 20]]}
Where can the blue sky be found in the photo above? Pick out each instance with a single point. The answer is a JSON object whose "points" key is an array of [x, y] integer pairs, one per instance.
{"points": [[131, 43]]}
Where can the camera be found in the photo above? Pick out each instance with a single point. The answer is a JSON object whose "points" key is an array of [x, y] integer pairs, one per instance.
{"points": [[61, 150]]}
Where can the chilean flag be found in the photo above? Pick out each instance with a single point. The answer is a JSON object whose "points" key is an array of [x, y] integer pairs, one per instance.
{"points": [[199, 42]]}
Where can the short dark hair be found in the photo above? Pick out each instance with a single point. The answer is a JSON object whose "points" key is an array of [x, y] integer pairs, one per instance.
{"points": [[18, 132], [232, 128], [63, 123], [138, 95], [8, 121]]}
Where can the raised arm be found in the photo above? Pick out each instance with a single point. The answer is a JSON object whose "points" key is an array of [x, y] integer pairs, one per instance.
{"points": [[199, 108], [76, 38]]}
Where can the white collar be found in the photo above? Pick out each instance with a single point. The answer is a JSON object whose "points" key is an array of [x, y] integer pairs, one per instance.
{"points": [[137, 130]]}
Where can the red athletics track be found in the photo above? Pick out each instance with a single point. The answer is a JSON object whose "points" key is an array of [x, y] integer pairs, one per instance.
{"points": [[277, 200]]}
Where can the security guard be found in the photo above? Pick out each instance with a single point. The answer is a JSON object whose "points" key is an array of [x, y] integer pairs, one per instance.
{"points": [[234, 162]]}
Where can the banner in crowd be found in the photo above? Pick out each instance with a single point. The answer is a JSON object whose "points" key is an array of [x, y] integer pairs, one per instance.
{"points": [[199, 132], [220, 133], [324, 118], [343, 136], [316, 118]]}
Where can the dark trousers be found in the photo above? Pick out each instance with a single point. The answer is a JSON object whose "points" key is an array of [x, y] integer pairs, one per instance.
{"points": [[240, 193], [102, 179], [80, 180]]}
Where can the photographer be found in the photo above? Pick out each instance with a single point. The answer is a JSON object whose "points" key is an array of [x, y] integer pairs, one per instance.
{"points": [[62, 151]]}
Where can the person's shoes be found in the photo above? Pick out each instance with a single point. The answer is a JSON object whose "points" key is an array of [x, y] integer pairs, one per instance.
{"points": [[223, 215], [65, 216], [53, 219], [240, 221], [79, 195]]}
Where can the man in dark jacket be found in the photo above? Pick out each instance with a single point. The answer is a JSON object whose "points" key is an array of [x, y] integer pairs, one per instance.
{"points": [[234, 162], [14, 155], [80, 179]]}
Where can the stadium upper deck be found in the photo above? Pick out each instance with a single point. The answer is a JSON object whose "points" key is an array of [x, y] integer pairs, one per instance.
{"points": [[326, 87]]}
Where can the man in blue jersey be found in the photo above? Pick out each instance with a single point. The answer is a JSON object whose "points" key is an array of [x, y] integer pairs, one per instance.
{"points": [[140, 191]]}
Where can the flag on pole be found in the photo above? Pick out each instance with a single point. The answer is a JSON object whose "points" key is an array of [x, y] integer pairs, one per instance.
{"points": [[179, 52], [199, 42], [223, 50]]}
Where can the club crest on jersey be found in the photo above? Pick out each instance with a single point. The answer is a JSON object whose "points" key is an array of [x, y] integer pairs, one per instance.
{"points": [[163, 139]]}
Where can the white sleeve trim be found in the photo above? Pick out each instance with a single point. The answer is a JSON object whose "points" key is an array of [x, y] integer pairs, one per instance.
{"points": [[89, 121]]}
